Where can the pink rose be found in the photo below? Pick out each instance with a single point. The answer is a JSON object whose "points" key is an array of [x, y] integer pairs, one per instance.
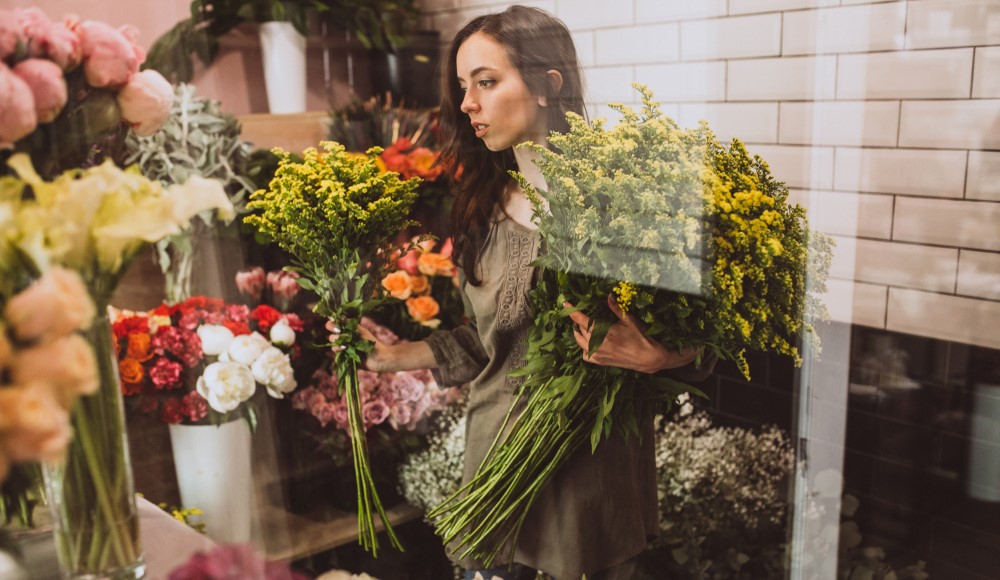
{"points": [[145, 102], [17, 107], [109, 59], [36, 426], [446, 249], [300, 400], [375, 413], [56, 304], [251, 282], [48, 87], [400, 415], [407, 387], [325, 413], [67, 364], [341, 416]]}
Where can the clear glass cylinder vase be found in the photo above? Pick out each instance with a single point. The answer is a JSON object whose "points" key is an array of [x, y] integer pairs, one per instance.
{"points": [[91, 494]]}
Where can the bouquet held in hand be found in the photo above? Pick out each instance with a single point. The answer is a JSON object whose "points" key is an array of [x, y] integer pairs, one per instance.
{"points": [[695, 242], [336, 214]]}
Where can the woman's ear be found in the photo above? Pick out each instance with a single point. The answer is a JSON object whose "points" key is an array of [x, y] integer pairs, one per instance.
{"points": [[555, 81]]}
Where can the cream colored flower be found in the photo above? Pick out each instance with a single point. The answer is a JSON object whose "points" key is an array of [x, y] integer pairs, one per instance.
{"points": [[273, 369], [225, 385], [245, 348], [282, 334], [215, 338]]}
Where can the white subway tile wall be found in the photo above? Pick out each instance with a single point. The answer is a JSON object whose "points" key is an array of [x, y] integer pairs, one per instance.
{"points": [[883, 116], [914, 74], [842, 30]]}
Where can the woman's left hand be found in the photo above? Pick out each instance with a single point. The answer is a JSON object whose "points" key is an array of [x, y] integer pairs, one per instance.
{"points": [[626, 345]]}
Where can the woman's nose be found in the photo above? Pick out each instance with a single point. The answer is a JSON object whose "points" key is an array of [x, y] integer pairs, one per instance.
{"points": [[468, 103]]}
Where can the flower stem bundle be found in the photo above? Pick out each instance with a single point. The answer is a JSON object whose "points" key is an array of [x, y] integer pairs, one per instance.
{"points": [[336, 213], [695, 240]]}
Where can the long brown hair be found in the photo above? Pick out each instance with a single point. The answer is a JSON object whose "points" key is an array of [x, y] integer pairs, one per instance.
{"points": [[535, 42]]}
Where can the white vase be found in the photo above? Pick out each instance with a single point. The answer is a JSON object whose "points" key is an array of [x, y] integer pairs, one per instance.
{"points": [[283, 51], [214, 475]]}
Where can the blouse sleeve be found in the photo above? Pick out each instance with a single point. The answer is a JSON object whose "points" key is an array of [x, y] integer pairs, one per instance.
{"points": [[459, 353]]}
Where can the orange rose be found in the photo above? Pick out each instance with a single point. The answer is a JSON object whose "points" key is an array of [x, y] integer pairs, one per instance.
{"points": [[131, 372], [397, 284], [434, 264], [138, 346], [421, 162], [35, 425], [423, 309], [419, 285]]}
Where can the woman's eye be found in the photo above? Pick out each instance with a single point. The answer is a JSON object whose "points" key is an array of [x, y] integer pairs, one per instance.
{"points": [[486, 83]]}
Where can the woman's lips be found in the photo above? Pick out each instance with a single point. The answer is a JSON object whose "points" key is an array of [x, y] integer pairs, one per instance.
{"points": [[480, 129]]}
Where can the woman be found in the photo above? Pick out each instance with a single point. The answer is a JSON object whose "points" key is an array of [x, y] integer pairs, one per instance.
{"points": [[510, 78]]}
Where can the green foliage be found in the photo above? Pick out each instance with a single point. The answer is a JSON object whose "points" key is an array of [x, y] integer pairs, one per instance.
{"points": [[697, 241], [336, 214]]}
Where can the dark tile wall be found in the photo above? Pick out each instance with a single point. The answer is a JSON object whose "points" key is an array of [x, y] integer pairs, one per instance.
{"points": [[907, 443]]}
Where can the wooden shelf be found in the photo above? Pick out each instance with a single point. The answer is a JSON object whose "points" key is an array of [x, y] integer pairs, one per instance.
{"points": [[292, 132], [306, 537]]}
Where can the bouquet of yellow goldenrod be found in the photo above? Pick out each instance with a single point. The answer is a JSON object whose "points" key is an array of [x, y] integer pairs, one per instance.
{"points": [[697, 241], [337, 213]]}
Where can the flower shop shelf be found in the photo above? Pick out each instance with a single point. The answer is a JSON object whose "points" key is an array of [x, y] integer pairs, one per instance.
{"points": [[292, 132], [306, 537]]}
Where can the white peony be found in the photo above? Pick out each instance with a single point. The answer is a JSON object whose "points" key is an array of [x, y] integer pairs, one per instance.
{"points": [[225, 385], [215, 338], [245, 348], [273, 369], [282, 334]]}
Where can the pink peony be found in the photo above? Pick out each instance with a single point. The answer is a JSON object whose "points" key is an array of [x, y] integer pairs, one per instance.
{"points": [[56, 304], [48, 87], [251, 282], [60, 42], [11, 33], [232, 561], [33, 21], [145, 102], [131, 33], [109, 59], [283, 284], [17, 108]]}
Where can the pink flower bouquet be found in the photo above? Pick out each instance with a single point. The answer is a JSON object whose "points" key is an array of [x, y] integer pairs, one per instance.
{"points": [[68, 85]]}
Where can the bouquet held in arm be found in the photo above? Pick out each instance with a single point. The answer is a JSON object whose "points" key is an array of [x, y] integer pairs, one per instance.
{"points": [[336, 213], [696, 241]]}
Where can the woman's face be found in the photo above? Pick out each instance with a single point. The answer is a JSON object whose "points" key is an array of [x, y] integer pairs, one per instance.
{"points": [[502, 110]]}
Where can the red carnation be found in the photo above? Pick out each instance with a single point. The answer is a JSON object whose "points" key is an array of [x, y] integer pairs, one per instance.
{"points": [[265, 316], [170, 412], [165, 374], [125, 326], [194, 406], [237, 327], [295, 322]]}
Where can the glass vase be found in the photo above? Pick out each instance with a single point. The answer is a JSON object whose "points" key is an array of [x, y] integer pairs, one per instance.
{"points": [[91, 493]]}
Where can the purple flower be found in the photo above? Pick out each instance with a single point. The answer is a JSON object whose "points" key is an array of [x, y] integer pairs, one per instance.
{"points": [[232, 562]]}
